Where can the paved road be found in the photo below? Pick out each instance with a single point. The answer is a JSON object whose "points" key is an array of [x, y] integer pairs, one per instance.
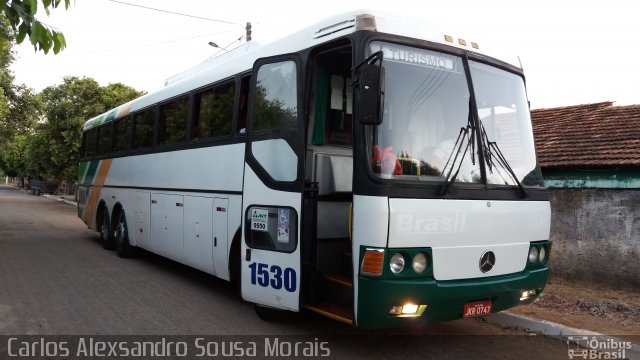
{"points": [[55, 278]]}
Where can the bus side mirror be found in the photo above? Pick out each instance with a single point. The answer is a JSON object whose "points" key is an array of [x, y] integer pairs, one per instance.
{"points": [[371, 93]]}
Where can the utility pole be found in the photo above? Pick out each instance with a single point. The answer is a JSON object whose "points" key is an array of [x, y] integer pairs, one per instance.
{"points": [[248, 29]]}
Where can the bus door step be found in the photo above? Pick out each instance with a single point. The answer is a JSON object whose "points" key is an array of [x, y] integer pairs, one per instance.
{"points": [[334, 311], [338, 289]]}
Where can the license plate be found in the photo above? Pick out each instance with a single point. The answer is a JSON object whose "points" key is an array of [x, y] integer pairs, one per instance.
{"points": [[478, 308]]}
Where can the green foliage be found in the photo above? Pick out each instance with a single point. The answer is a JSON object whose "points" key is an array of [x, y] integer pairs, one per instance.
{"points": [[6, 58], [12, 157], [66, 108], [20, 109], [23, 110], [4, 108], [21, 17], [117, 94], [40, 134], [38, 155], [6, 43]]}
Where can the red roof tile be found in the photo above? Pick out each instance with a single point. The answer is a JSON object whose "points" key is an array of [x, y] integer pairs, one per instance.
{"points": [[591, 135]]}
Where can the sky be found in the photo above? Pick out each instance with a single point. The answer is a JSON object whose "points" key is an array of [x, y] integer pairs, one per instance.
{"points": [[573, 52]]}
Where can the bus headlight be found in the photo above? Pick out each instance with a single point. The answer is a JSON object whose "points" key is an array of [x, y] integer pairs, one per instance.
{"points": [[396, 264], [419, 263], [543, 254], [533, 254]]}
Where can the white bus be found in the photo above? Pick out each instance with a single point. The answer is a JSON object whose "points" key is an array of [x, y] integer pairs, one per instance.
{"points": [[367, 168]]}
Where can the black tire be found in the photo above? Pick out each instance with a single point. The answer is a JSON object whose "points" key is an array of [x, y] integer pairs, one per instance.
{"points": [[106, 236], [123, 247], [269, 314]]}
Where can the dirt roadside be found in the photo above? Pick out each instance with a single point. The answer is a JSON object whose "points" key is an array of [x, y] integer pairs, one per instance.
{"points": [[593, 307]]}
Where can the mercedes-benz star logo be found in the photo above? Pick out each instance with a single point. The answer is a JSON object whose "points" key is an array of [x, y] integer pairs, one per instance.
{"points": [[487, 261]]}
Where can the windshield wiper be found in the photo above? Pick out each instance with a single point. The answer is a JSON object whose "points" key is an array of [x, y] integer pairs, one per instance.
{"points": [[488, 149], [467, 133]]}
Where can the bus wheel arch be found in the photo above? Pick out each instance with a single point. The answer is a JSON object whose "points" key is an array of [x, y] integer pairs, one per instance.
{"points": [[234, 262]]}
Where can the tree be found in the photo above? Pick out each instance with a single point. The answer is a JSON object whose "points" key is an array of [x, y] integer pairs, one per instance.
{"points": [[12, 158], [23, 110], [6, 80], [21, 17], [66, 108], [6, 43], [37, 154], [117, 94], [20, 109]]}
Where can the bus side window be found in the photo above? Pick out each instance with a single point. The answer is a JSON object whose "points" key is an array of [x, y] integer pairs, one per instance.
{"points": [[91, 145], [339, 117], [214, 112], [243, 106], [122, 128], [172, 123], [143, 129], [272, 228], [333, 119], [83, 145], [274, 124], [105, 134]]}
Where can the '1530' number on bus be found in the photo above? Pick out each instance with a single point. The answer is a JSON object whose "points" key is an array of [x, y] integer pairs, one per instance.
{"points": [[265, 275]]}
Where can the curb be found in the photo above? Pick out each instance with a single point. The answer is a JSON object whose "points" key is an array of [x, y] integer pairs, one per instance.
{"points": [[53, 197], [559, 331]]}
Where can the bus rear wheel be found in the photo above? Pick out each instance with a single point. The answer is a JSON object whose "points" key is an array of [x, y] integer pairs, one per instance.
{"points": [[105, 231], [123, 247]]}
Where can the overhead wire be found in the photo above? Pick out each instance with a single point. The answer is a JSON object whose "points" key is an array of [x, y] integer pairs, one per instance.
{"points": [[226, 46], [174, 13], [157, 43]]}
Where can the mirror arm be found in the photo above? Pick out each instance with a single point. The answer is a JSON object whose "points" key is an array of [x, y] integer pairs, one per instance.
{"points": [[370, 85]]}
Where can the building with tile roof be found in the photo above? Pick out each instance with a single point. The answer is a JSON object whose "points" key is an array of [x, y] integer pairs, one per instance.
{"points": [[592, 146], [590, 160]]}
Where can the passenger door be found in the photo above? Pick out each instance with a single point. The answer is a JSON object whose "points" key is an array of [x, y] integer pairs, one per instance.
{"points": [[270, 252]]}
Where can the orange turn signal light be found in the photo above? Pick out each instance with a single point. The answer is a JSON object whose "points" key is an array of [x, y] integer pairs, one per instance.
{"points": [[372, 262]]}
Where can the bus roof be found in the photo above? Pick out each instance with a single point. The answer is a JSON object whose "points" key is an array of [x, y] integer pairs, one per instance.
{"points": [[241, 58]]}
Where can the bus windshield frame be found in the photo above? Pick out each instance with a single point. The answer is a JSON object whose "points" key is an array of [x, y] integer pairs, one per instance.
{"points": [[430, 122]]}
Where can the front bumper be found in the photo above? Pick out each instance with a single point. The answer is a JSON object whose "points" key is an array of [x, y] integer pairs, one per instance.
{"points": [[445, 300]]}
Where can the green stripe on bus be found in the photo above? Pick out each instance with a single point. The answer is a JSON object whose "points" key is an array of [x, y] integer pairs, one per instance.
{"points": [[104, 118], [82, 168], [91, 172]]}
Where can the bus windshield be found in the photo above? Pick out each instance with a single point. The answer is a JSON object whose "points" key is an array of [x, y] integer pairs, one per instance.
{"points": [[426, 128]]}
